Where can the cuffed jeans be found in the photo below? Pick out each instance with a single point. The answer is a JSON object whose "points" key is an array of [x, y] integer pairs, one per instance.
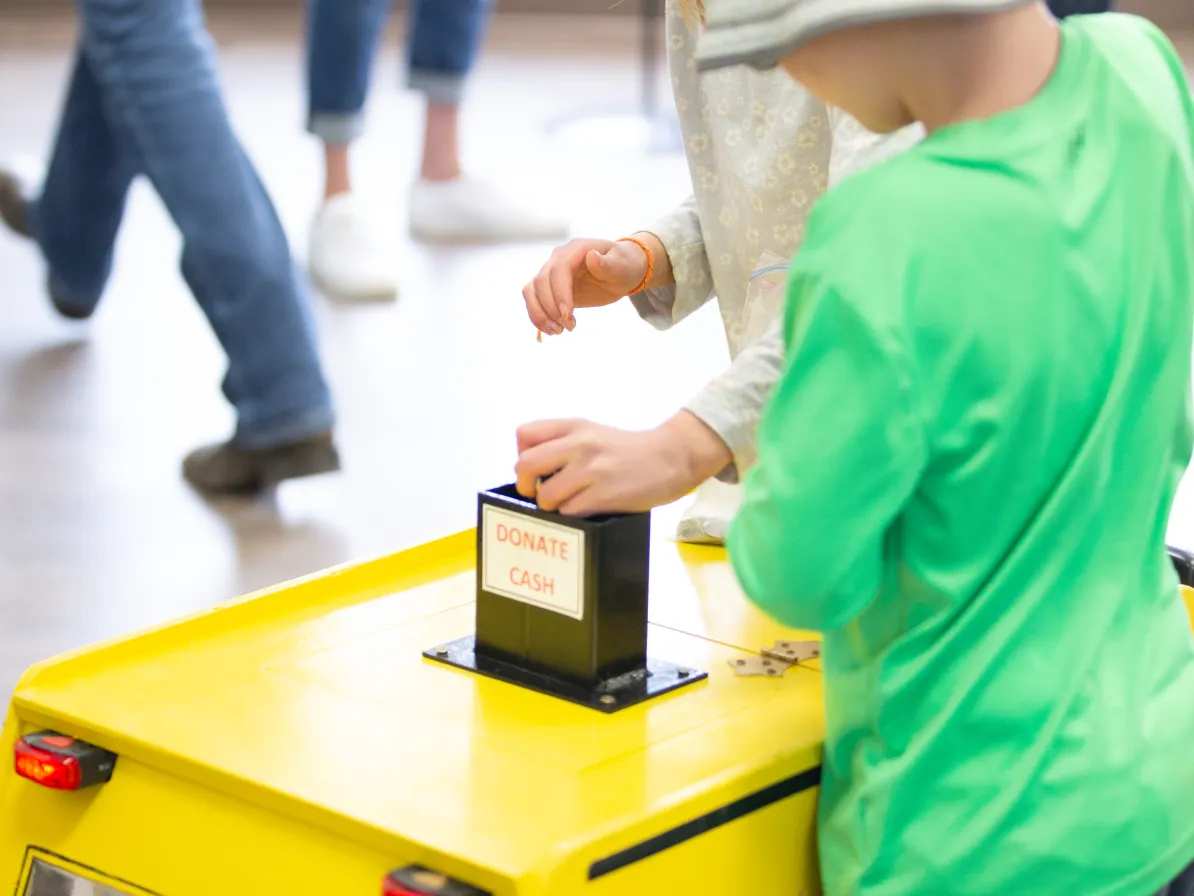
{"points": [[143, 99], [342, 39]]}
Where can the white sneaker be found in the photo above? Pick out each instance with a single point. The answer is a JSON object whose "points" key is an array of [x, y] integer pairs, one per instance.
{"points": [[706, 520], [466, 210], [347, 257]]}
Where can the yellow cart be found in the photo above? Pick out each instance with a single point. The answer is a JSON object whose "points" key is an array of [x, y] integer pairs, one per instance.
{"points": [[305, 740], [300, 742]]}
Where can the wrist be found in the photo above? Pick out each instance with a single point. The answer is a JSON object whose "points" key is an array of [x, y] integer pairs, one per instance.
{"points": [[662, 266], [698, 452]]}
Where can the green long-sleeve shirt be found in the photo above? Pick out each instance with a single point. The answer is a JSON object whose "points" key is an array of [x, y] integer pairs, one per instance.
{"points": [[964, 479]]}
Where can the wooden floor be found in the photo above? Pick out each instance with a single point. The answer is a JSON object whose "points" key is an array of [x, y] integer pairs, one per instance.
{"points": [[98, 536]]}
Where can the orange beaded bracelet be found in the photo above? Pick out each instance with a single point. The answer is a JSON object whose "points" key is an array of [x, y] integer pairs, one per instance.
{"points": [[650, 262]]}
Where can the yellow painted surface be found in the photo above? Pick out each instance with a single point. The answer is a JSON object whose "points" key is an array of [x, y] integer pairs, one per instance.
{"points": [[298, 742], [166, 835]]}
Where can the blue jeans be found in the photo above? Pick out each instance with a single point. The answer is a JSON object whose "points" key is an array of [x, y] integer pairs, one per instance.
{"points": [[143, 99], [342, 38]]}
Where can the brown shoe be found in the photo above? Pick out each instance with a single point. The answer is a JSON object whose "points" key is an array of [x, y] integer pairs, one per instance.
{"points": [[232, 469], [14, 212], [14, 204]]}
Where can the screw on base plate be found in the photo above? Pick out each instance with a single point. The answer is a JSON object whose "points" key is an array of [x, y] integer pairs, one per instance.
{"points": [[608, 699], [441, 651]]}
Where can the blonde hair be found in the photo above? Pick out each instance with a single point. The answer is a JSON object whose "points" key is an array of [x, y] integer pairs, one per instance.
{"points": [[694, 10]]}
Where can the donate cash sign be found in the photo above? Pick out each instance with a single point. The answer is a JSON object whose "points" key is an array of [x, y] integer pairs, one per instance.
{"points": [[533, 561]]}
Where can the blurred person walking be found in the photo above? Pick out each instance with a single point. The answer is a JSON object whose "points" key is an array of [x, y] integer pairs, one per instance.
{"points": [[143, 99], [346, 255]]}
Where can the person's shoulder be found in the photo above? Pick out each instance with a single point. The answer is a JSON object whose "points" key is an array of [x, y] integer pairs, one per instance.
{"points": [[914, 198], [1124, 30], [905, 224], [1148, 72], [1135, 46]]}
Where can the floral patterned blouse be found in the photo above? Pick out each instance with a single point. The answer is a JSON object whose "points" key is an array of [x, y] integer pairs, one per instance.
{"points": [[761, 150]]}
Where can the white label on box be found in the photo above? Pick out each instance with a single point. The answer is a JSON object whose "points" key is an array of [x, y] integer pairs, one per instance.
{"points": [[533, 561]]}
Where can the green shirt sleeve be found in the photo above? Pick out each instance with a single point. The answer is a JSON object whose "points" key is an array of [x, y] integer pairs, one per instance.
{"points": [[840, 450]]}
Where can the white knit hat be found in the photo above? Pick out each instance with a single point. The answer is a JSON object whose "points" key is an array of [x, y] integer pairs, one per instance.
{"points": [[761, 33]]}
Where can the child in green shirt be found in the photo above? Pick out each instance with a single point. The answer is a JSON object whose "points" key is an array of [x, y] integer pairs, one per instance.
{"points": [[965, 474]]}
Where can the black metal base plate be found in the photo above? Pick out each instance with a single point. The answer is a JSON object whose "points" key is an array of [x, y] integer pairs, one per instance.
{"points": [[609, 696]]}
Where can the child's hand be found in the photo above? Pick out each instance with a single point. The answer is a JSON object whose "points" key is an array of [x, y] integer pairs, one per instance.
{"points": [[599, 469], [582, 274]]}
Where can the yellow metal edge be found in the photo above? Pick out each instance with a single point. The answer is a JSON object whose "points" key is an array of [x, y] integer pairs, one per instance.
{"points": [[344, 585], [26, 873], [354, 582]]}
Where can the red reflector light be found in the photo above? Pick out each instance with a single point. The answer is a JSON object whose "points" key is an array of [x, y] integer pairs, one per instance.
{"points": [[46, 769], [416, 881], [61, 763]]}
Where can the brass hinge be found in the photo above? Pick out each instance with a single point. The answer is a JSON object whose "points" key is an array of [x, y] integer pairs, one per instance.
{"points": [[775, 661]]}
